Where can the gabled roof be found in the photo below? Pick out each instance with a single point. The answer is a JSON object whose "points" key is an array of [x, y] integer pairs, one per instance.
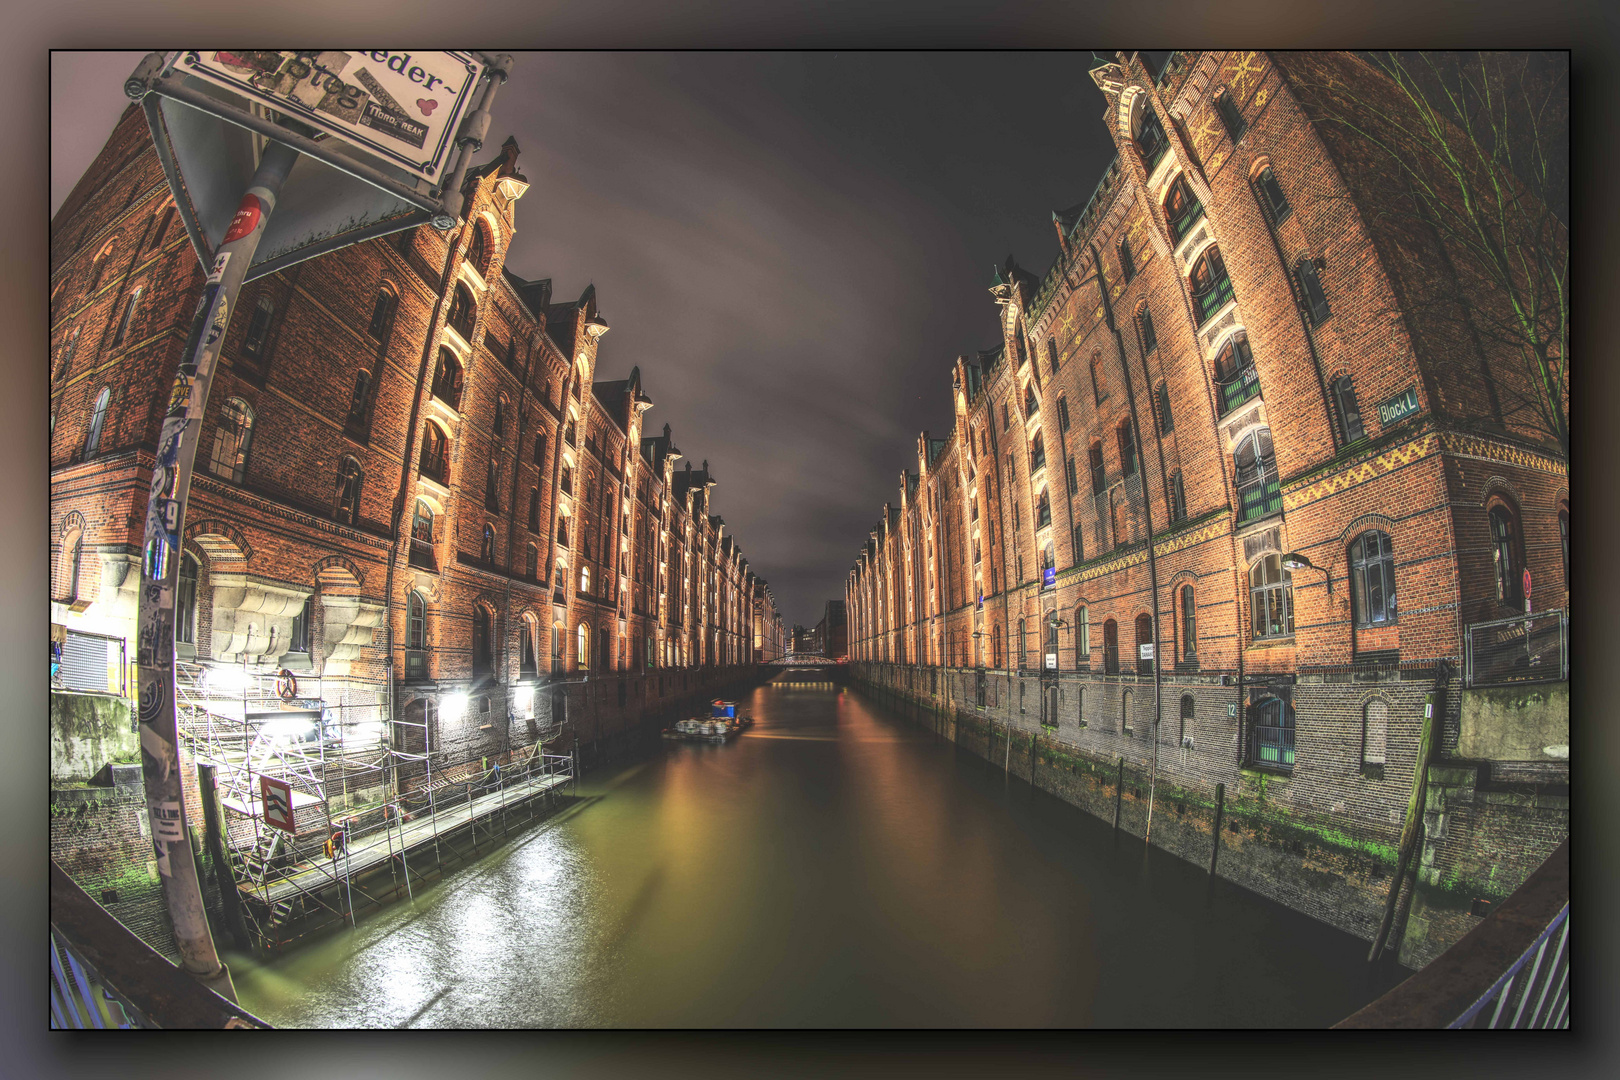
{"points": [[534, 295]]}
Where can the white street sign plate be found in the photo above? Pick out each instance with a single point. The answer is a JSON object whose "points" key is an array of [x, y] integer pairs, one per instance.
{"points": [[402, 107]]}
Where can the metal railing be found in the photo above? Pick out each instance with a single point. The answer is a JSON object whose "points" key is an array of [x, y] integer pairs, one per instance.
{"points": [[103, 976], [1271, 747], [1237, 389], [1527, 648], [1512, 970]]}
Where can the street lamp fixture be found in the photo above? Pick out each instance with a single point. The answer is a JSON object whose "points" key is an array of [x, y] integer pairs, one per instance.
{"points": [[1295, 561]]}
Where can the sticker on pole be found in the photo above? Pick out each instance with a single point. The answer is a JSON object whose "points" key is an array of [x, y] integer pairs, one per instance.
{"points": [[277, 795], [403, 107]]}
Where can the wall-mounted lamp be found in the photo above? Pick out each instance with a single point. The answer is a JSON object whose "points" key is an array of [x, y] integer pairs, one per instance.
{"points": [[1295, 561]]}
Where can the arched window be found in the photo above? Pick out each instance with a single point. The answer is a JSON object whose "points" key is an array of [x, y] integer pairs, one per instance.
{"points": [[534, 510], [435, 452], [1505, 556], [1563, 540], [1167, 420], [492, 486], [1098, 476], [1374, 731], [98, 419], [1372, 579], [258, 326], [585, 579], [359, 401], [185, 602], [1051, 356], [1023, 647], [571, 433], [1187, 707], [1127, 701], [64, 358], [531, 634], [1189, 623], [447, 379], [232, 441], [128, 318], [562, 531], [1256, 463], [1097, 383], [566, 482], [1111, 647], [1178, 498], [995, 651], [1127, 264], [540, 449], [1082, 637], [1150, 140], [1271, 598], [482, 657], [1144, 637], [1037, 453], [1181, 210], [500, 417], [584, 636], [463, 312], [478, 251], [1271, 195], [415, 622], [382, 314], [72, 550], [532, 563], [486, 546], [1043, 511], [1234, 373], [163, 224], [1127, 448], [1310, 285], [1031, 402], [1344, 402], [1211, 288], [1063, 413], [422, 536], [348, 491], [1231, 119], [1144, 324]]}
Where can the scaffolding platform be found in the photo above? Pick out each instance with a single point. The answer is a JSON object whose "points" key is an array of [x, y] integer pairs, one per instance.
{"points": [[378, 848]]}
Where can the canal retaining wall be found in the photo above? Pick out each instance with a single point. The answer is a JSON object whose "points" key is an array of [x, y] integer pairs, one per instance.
{"points": [[1325, 846]]}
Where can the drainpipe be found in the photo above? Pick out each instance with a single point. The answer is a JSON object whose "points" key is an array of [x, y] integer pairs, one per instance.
{"points": [[1147, 512], [511, 535], [402, 495]]}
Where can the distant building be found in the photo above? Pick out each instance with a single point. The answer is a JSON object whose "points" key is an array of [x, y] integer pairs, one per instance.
{"points": [[832, 632]]}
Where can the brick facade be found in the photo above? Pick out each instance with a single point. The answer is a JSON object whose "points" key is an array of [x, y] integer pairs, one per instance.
{"points": [[1104, 476], [561, 558]]}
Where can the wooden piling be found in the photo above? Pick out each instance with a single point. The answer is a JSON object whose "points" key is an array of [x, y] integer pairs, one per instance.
{"points": [[1119, 791], [1215, 841]]}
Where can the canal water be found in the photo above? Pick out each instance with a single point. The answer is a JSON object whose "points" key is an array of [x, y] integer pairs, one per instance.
{"points": [[834, 866]]}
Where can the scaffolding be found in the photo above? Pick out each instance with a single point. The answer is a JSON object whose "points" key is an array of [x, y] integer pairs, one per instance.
{"points": [[375, 811]]}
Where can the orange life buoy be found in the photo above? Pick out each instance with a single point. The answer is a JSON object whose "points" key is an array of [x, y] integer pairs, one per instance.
{"points": [[286, 685]]}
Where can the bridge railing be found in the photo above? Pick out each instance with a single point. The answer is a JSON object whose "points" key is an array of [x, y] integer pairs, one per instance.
{"points": [[103, 976], [1512, 970]]}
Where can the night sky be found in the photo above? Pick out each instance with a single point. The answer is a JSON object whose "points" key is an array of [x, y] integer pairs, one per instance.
{"points": [[794, 247]]}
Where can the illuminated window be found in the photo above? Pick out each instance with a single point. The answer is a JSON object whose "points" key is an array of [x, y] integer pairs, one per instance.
{"points": [[232, 440]]}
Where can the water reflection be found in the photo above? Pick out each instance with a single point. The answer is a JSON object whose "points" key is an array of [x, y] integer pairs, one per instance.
{"points": [[834, 866]]}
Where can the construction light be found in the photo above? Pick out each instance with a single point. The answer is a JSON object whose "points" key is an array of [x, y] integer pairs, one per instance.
{"points": [[452, 706]]}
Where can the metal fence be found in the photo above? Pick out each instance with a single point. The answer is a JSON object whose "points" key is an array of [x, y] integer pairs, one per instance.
{"points": [[1271, 747], [103, 976], [1528, 648], [1510, 971]]}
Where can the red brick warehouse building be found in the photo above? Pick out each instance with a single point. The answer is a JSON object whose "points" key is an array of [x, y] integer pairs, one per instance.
{"points": [[1243, 498], [412, 488]]}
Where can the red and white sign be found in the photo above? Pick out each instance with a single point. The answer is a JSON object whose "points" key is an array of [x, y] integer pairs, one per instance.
{"points": [[247, 216], [403, 107], [278, 810], [1527, 590]]}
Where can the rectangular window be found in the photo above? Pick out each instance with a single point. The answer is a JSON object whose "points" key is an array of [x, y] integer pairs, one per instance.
{"points": [[1310, 285], [1344, 396], [1178, 499], [1127, 265], [1006, 417], [1150, 337], [1074, 484], [299, 639], [1097, 475], [1167, 422], [1063, 414]]}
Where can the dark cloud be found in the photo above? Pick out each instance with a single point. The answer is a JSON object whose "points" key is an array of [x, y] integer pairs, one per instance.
{"points": [[793, 247]]}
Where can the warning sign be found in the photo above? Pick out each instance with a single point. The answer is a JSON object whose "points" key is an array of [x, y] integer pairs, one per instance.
{"points": [[277, 795]]}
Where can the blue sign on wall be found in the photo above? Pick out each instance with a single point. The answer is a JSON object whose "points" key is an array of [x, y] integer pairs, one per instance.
{"points": [[1399, 407], [1049, 576]]}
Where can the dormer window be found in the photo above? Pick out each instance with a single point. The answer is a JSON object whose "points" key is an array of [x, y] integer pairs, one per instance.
{"points": [[1150, 140]]}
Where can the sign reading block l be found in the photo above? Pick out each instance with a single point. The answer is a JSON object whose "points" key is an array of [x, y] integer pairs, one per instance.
{"points": [[277, 795], [1398, 407], [403, 107]]}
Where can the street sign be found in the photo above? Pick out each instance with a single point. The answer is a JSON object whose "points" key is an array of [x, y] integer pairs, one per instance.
{"points": [[1051, 661], [402, 107], [277, 796], [1398, 407], [1527, 590], [1145, 651]]}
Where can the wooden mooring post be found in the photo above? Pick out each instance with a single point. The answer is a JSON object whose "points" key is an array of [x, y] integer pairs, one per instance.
{"points": [[1119, 791], [1215, 841]]}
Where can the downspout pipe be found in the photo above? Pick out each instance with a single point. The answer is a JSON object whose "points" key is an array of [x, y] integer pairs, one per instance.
{"points": [[1147, 513]]}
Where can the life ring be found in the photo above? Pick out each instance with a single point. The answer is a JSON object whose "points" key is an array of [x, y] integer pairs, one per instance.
{"points": [[286, 685]]}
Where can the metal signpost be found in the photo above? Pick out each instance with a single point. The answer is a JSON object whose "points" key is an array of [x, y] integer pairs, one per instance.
{"points": [[308, 89]]}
